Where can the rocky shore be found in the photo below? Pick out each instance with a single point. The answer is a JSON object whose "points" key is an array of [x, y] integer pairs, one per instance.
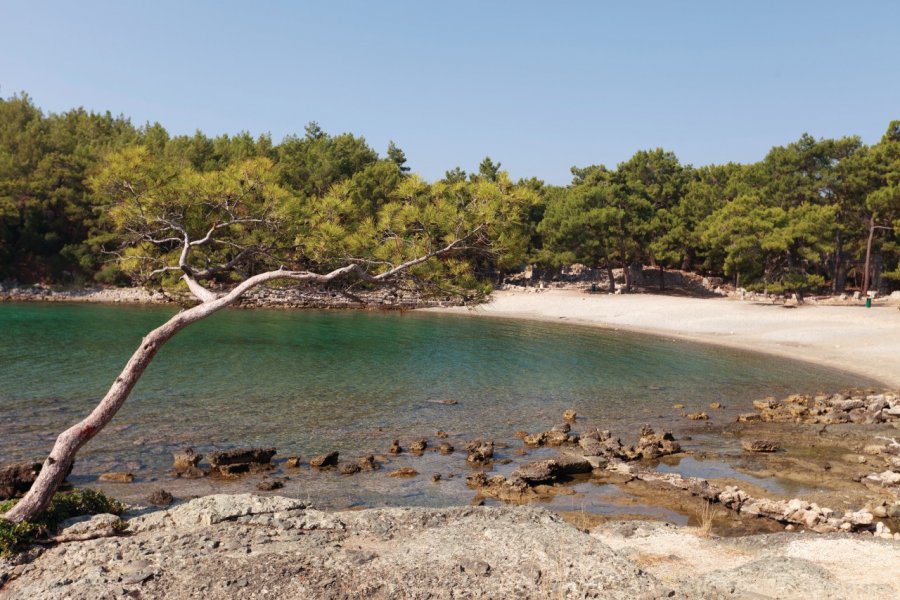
{"points": [[262, 297], [253, 547]]}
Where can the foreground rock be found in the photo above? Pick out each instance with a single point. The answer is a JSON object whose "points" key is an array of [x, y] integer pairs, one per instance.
{"points": [[781, 565], [249, 546]]}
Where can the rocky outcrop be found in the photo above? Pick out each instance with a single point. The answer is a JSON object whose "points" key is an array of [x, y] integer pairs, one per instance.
{"points": [[846, 407], [248, 546]]}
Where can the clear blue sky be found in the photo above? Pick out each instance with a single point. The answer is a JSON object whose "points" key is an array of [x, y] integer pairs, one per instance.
{"points": [[539, 86]]}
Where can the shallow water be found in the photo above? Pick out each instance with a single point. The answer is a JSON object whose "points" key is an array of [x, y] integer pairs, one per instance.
{"points": [[307, 382]]}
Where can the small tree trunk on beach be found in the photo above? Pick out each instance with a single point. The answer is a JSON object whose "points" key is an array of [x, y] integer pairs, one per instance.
{"points": [[867, 269], [609, 272]]}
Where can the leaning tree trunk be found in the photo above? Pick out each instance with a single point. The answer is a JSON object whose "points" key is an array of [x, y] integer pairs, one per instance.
{"points": [[54, 470], [71, 440]]}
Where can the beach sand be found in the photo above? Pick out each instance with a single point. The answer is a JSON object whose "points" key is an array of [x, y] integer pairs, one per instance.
{"points": [[852, 338]]}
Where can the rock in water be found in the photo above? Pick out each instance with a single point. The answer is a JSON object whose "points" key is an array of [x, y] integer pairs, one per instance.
{"points": [[160, 498], [760, 446], [368, 463], [349, 468], [117, 477], [186, 459], [404, 472], [257, 456], [395, 447], [418, 445], [267, 485], [329, 459], [538, 471], [480, 451]]}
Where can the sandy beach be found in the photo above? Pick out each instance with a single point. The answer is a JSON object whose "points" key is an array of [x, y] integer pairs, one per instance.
{"points": [[852, 338]]}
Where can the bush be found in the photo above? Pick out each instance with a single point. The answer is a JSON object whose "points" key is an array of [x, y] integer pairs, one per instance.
{"points": [[65, 505]]}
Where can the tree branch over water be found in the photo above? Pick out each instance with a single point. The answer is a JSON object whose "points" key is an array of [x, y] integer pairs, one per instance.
{"points": [[211, 227]]}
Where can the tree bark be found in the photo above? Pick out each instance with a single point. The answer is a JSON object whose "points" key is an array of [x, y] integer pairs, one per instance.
{"points": [[866, 269], [837, 273], [56, 466], [625, 271], [609, 272]]}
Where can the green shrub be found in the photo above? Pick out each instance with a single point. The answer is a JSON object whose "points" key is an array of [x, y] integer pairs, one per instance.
{"points": [[65, 505]]}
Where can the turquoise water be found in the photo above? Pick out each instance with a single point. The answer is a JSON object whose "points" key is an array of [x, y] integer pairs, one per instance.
{"points": [[307, 382]]}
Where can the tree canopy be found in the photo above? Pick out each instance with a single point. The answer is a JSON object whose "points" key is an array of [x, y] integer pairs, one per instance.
{"points": [[809, 216]]}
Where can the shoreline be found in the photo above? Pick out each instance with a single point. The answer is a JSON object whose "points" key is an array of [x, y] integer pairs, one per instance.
{"points": [[848, 338]]}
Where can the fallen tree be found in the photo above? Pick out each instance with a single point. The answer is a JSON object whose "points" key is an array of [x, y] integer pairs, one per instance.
{"points": [[226, 232]]}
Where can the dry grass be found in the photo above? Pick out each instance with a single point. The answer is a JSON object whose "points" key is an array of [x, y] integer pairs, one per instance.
{"points": [[705, 517]]}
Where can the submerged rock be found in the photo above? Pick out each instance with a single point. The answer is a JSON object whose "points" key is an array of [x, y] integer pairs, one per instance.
{"points": [[267, 485], [445, 448], [368, 463], [418, 446], [117, 477], [760, 446], [395, 447], [403, 472], [349, 468]]}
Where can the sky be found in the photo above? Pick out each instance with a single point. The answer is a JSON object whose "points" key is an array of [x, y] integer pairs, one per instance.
{"points": [[538, 86]]}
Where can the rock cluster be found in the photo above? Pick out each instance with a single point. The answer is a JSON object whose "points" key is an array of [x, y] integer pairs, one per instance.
{"points": [[558, 435], [598, 450], [796, 511], [845, 407], [650, 445]]}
